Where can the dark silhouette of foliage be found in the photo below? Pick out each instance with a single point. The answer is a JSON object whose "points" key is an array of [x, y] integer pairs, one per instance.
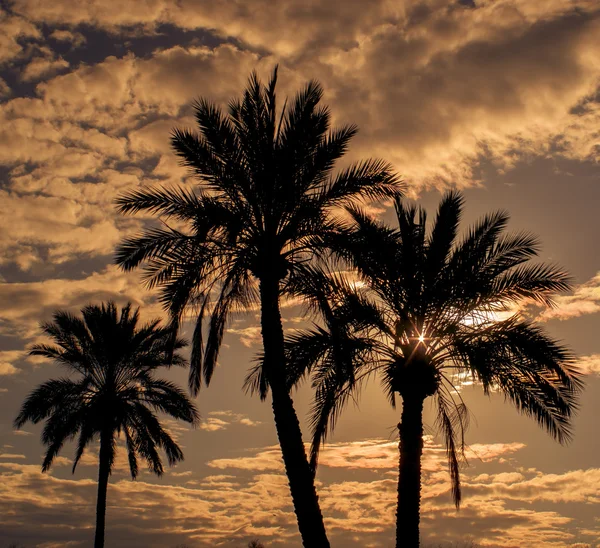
{"points": [[111, 389], [430, 312], [261, 208]]}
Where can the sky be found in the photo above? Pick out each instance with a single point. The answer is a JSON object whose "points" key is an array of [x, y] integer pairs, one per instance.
{"points": [[498, 98]]}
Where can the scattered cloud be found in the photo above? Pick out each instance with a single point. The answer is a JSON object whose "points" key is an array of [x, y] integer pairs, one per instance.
{"points": [[221, 420], [254, 502]]}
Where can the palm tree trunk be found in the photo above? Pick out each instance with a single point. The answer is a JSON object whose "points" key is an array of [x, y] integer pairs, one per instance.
{"points": [[300, 476], [409, 476], [103, 473]]}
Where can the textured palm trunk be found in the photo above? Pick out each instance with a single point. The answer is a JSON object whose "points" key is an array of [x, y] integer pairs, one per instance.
{"points": [[103, 473], [409, 477], [300, 476]]}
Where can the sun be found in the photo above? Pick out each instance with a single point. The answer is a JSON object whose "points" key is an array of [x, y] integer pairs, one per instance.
{"points": [[422, 338]]}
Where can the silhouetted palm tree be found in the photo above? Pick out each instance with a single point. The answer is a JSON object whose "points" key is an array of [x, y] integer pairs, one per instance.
{"points": [[261, 209], [427, 316], [114, 391]]}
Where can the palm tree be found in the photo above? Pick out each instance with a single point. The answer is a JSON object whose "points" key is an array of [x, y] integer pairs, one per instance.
{"points": [[114, 391], [261, 209], [430, 313]]}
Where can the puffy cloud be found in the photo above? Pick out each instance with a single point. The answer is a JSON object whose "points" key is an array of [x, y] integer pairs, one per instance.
{"points": [[76, 39], [43, 66], [421, 111], [12, 30], [68, 227], [7, 360], [434, 88], [23, 305]]}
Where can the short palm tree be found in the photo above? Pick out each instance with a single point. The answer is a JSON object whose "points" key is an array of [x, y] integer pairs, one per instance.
{"points": [[261, 209], [114, 390], [430, 313]]}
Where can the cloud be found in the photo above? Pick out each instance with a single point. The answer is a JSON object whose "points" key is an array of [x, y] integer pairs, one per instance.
{"points": [[43, 66], [143, 513], [589, 365], [581, 486], [421, 112], [231, 509], [584, 300], [249, 336], [4, 89], [266, 460], [24, 305], [12, 30], [76, 39], [7, 358], [212, 424], [374, 454], [221, 420]]}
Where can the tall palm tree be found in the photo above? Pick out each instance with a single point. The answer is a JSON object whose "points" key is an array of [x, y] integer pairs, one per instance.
{"points": [[434, 310], [114, 391], [261, 208]]}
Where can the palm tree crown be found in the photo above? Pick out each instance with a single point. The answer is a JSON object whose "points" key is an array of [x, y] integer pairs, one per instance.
{"points": [[114, 390], [433, 310], [263, 207]]}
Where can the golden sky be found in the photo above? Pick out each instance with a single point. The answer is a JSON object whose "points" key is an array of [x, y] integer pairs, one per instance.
{"points": [[499, 98]]}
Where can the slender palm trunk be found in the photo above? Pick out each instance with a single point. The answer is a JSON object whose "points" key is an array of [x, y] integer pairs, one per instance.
{"points": [[409, 477], [300, 476], [103, 473]]}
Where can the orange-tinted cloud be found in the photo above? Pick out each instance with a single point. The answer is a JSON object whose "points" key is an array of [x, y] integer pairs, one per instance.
{"points": [[254, 502], [584, 300]]}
